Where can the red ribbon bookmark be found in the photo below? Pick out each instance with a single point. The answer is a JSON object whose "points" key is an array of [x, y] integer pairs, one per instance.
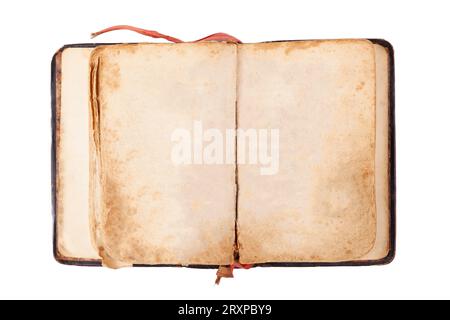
{"points": [[227, 271], [155, 34]]}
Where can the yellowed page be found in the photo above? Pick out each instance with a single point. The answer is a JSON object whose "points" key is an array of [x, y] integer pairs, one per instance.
{"points": [[151, 210], [72, 180], [320, 206], [382, 243]]}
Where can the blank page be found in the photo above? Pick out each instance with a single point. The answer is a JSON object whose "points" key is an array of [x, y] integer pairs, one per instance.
{"points": [[72, 167], [148, 209], [320, 205]]}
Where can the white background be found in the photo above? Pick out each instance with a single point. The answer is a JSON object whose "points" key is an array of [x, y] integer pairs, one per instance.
{"points": [[31, 31]]}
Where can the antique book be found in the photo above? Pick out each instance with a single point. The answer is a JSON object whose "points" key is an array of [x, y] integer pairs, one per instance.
{"points": [[221, 153]]}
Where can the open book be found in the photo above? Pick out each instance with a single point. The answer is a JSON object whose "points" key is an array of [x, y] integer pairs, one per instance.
{"points": [[214, 153]]}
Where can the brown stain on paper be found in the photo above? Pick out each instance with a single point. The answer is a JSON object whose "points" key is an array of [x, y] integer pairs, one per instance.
{"points": [[360, 86], [349, 206], [110, 75]]}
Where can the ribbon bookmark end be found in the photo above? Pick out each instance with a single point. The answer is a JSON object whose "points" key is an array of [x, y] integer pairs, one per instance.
{"points": [[224, 272]]}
